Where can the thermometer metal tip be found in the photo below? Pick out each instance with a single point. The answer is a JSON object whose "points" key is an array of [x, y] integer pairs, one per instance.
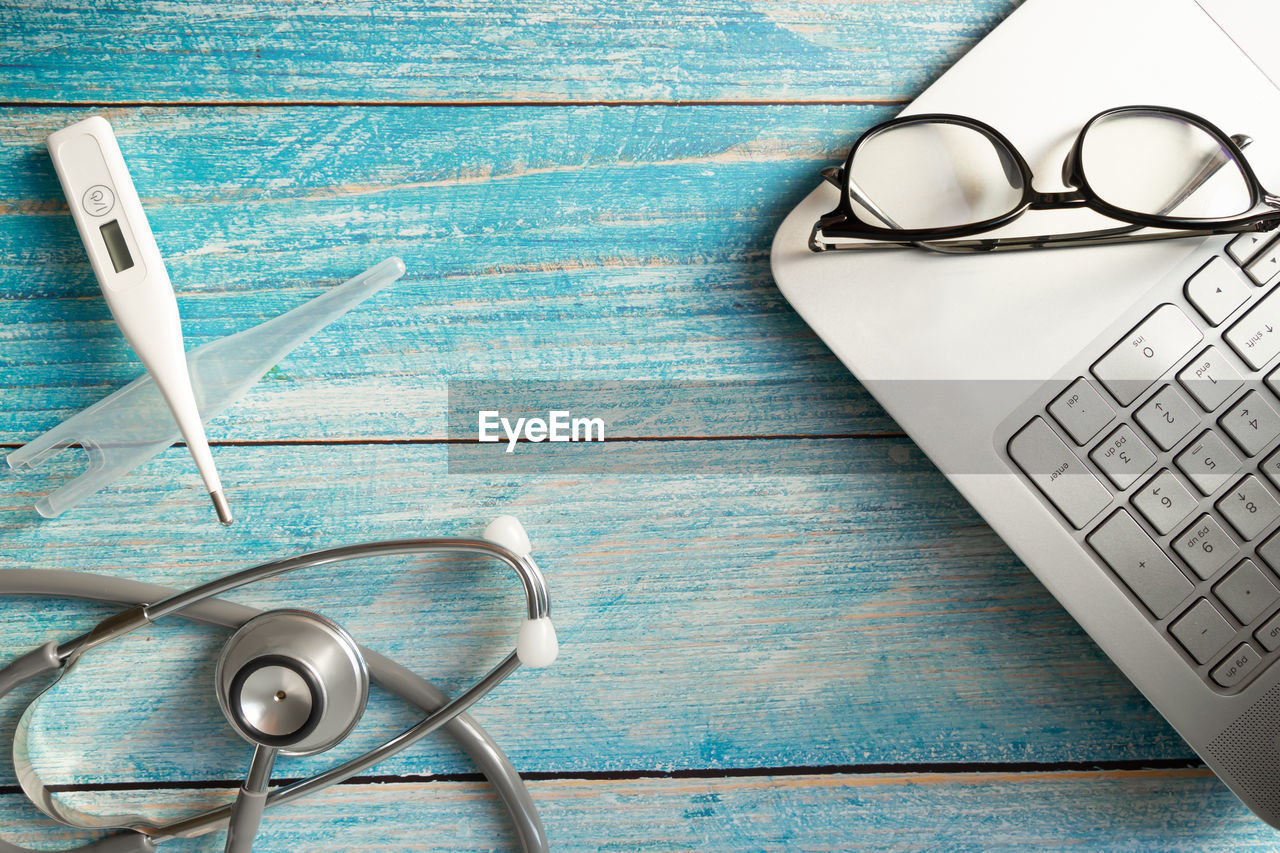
{"points": [[220, 506]]}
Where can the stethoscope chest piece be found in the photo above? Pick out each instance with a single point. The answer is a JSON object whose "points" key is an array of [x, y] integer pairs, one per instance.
{"points": [[292, 680]]}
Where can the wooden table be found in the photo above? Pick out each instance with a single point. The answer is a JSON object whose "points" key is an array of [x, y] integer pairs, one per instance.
{"points": [[824, 651]]}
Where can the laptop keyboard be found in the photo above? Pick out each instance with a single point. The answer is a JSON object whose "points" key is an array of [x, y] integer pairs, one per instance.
{"points": [[1165, 461]]}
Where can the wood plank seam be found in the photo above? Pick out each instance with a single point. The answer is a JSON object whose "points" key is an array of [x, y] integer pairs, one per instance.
{"points": [[957, 769]]}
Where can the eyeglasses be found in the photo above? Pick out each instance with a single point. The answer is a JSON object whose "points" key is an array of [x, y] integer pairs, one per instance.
{"points": [[917, 180]]}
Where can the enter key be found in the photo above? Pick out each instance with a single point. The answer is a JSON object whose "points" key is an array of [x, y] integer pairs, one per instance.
{"points": [[1256, 338]]}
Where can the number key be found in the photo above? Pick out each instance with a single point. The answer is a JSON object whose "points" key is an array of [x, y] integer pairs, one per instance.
{"points": [[1269, 551], [1152, 347], [1252, 422], [1249, 507], [1164, 502], [1238, 666], [1269, 634], [1208, 462], [1167, 417], [1123, 457], [1210, 378], [1271, 467], [1205, 546]]}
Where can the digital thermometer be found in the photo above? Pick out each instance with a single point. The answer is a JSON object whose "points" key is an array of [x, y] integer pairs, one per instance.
{"points": [[127, 262]]}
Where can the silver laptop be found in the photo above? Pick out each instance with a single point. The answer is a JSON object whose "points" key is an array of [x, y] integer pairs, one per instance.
{"points": [[1150, 373]]}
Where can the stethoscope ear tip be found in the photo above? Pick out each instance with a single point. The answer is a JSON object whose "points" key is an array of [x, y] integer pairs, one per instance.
{"points": [[536, 644], [507, 531]]}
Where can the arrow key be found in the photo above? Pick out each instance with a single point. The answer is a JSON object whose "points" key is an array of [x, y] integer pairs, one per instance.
{"points": [[1266, 265], [1249, 507], [1253, 423], [1217, 289], [1164, 502], [1167, 417], [1243, 248]]}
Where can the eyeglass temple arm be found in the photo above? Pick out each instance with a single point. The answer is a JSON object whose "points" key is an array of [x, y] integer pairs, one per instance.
{"points": [[833, 176], [1105, 237]]}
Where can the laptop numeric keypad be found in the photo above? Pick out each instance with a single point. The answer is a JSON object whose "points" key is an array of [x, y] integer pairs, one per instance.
{"points": [[1174, 482]]}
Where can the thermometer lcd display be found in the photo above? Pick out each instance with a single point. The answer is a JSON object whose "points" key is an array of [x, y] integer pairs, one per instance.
{"points": [[117, 248]]}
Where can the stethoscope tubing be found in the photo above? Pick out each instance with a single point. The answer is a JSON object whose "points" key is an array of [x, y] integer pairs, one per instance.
{"points": [[531, 579], [535, 587], [205, 608]]}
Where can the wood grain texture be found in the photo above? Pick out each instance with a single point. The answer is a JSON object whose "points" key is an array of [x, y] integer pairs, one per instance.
{"points": [[1181, 810], [538, 243], [763, 620], [815, 604], [528, 51]]}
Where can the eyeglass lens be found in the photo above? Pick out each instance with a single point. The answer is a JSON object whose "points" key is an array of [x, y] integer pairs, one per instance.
{"points": [[1158, 164], [932, 175]]}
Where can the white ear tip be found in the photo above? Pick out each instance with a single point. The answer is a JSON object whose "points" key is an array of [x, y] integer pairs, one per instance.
{"points": [[536, 644], [507, 531]]}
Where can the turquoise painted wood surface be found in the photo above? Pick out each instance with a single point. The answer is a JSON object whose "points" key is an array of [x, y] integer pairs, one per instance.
{"points": [[1092, 810], [787, 606], [593, 50], [537, 241], [695, 611]]}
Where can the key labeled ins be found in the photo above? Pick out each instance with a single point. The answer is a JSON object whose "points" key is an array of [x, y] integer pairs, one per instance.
{"points": [[1154, 346]]}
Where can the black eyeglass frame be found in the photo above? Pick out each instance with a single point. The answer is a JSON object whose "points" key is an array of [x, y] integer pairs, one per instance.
{"points": [[842, 223]]}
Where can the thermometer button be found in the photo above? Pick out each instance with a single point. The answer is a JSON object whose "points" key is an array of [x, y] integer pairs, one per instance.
{"points": [[98, 200]]}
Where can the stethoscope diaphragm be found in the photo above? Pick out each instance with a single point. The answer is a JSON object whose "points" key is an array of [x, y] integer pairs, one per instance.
{"points": [[293, 680]]}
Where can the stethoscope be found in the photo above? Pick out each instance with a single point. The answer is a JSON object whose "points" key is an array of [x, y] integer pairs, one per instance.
{"points": [[290, 682]]}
